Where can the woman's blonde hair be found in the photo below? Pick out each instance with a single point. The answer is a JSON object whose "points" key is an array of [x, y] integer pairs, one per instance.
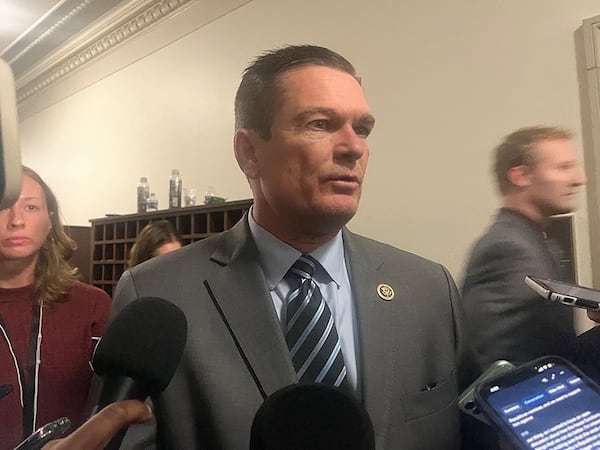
{"points": [[54, 276]]}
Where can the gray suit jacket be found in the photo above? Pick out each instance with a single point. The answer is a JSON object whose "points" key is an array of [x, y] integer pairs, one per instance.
{"points": [[508, 319], [411, 349]]}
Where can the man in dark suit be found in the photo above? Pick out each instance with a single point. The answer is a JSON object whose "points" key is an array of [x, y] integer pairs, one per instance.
{"points": [[539, 174], [302, 124]]}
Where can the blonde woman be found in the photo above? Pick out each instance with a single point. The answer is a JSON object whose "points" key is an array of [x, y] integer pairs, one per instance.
{"points": [[49, 321]]}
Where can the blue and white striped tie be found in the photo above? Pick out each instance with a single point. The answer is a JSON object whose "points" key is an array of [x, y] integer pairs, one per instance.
{"points": [[311, 334]]}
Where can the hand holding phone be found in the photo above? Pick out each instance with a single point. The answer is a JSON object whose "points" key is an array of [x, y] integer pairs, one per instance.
{"points": [[565, 293], [43, 435], [466, 400], [546, 403], [98, 430]]}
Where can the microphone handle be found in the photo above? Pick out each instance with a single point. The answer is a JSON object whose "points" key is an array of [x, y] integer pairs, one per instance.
{"points": [[116, 388]]}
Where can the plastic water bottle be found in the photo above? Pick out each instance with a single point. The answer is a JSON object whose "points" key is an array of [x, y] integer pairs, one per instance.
{"points": [[143, 192], [210, 195], [152, 204], [175, 189]]}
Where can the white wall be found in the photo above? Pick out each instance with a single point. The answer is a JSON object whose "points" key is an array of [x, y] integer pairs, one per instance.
{"points": [[446, 80]]}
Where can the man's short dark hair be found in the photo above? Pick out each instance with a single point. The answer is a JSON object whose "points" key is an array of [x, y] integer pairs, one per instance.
{"points": [[258, 97]]}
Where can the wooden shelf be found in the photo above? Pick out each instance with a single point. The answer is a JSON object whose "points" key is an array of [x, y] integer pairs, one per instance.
{"points": [[113, 236]]}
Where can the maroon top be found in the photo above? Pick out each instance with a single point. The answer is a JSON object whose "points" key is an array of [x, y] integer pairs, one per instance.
{"points": [[69, 333]]}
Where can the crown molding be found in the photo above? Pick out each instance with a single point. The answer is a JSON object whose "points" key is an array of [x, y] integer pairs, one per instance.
{"points": [[64, 20], [117, 26]]}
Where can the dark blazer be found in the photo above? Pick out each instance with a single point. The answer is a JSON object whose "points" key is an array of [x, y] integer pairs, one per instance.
{"points": [[508, 319], [411, 349]]}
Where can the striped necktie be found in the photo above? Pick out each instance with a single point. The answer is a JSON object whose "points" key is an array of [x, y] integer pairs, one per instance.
{"points": [[310, 331]]}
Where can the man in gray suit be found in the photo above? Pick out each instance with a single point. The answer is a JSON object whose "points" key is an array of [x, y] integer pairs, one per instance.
{"points": [[538, 174], [302, 124]]}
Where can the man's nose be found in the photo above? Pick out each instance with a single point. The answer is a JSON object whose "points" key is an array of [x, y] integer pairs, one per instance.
{"points": [[350, 143]]}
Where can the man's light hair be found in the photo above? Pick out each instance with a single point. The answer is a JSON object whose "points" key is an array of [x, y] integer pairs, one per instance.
{"points": [[517, 149]]}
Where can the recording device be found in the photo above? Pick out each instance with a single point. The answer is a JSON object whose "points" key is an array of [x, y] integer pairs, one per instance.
{"points": [[311, 416], [566, 293], [466, 400], [139, 352], [45, 434], [10, 160], [546, 403]]}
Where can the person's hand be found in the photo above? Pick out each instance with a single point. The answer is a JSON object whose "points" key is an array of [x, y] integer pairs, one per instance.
{"points": [[97, 432], [594, 315]]}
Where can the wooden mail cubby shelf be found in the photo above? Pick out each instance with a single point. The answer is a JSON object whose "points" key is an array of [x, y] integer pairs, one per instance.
{"points": [[113, 236]]}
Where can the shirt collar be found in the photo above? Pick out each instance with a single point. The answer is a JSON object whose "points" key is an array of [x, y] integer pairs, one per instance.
{"points": [[276, 257], [532, 223]]}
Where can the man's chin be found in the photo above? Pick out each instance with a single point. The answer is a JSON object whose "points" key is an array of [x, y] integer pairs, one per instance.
{"points": [[342, 210], [556, 210], [334, 215], [566, 210]]}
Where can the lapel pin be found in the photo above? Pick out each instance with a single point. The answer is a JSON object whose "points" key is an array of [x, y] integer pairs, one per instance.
{"points": [[385, 292]]}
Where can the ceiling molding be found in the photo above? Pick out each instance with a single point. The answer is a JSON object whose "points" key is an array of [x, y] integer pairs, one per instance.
{"points": [[60, 23], [115, 27]]}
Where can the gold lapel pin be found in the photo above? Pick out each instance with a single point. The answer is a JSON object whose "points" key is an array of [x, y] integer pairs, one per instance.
{"points": [[385, 292]]}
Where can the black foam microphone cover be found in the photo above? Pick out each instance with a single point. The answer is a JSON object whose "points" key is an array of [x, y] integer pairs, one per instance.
{"points": [[311, 416], [140, 350], [139, 353]]}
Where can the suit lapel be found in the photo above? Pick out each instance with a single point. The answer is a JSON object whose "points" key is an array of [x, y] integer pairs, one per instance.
{"points": [[246, 303], [240, 290], [376, 336]]}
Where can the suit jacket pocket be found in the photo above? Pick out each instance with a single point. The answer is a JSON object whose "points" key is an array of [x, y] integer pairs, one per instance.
{"points": [[432, 399]]}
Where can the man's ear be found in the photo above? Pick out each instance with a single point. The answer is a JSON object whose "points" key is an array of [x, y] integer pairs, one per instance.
{"points": [[245, 148], [520, 176]]}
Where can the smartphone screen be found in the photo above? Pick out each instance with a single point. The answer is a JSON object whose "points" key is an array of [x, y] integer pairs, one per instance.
{"points": [[545, 404]]}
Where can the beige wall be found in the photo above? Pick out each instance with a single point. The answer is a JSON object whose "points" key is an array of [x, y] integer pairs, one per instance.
{"points": [[446, 80]]}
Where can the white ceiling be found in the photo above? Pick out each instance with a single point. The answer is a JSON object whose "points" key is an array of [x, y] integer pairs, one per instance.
{"points": [[17, 16]]}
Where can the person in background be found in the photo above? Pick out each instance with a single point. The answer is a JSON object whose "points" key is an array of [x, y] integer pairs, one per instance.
{"points": [[49, 321], [155, 239], [387, 324], [539, 174]]}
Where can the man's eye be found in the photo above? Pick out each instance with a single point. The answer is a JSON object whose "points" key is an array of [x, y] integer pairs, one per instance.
{"points": [[320, 124], [363, 131]]}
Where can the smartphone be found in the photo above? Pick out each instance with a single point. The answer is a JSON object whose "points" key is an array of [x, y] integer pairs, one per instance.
{"points": [[45, 434], [547, 403], [466, 400], [565, 293]]}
